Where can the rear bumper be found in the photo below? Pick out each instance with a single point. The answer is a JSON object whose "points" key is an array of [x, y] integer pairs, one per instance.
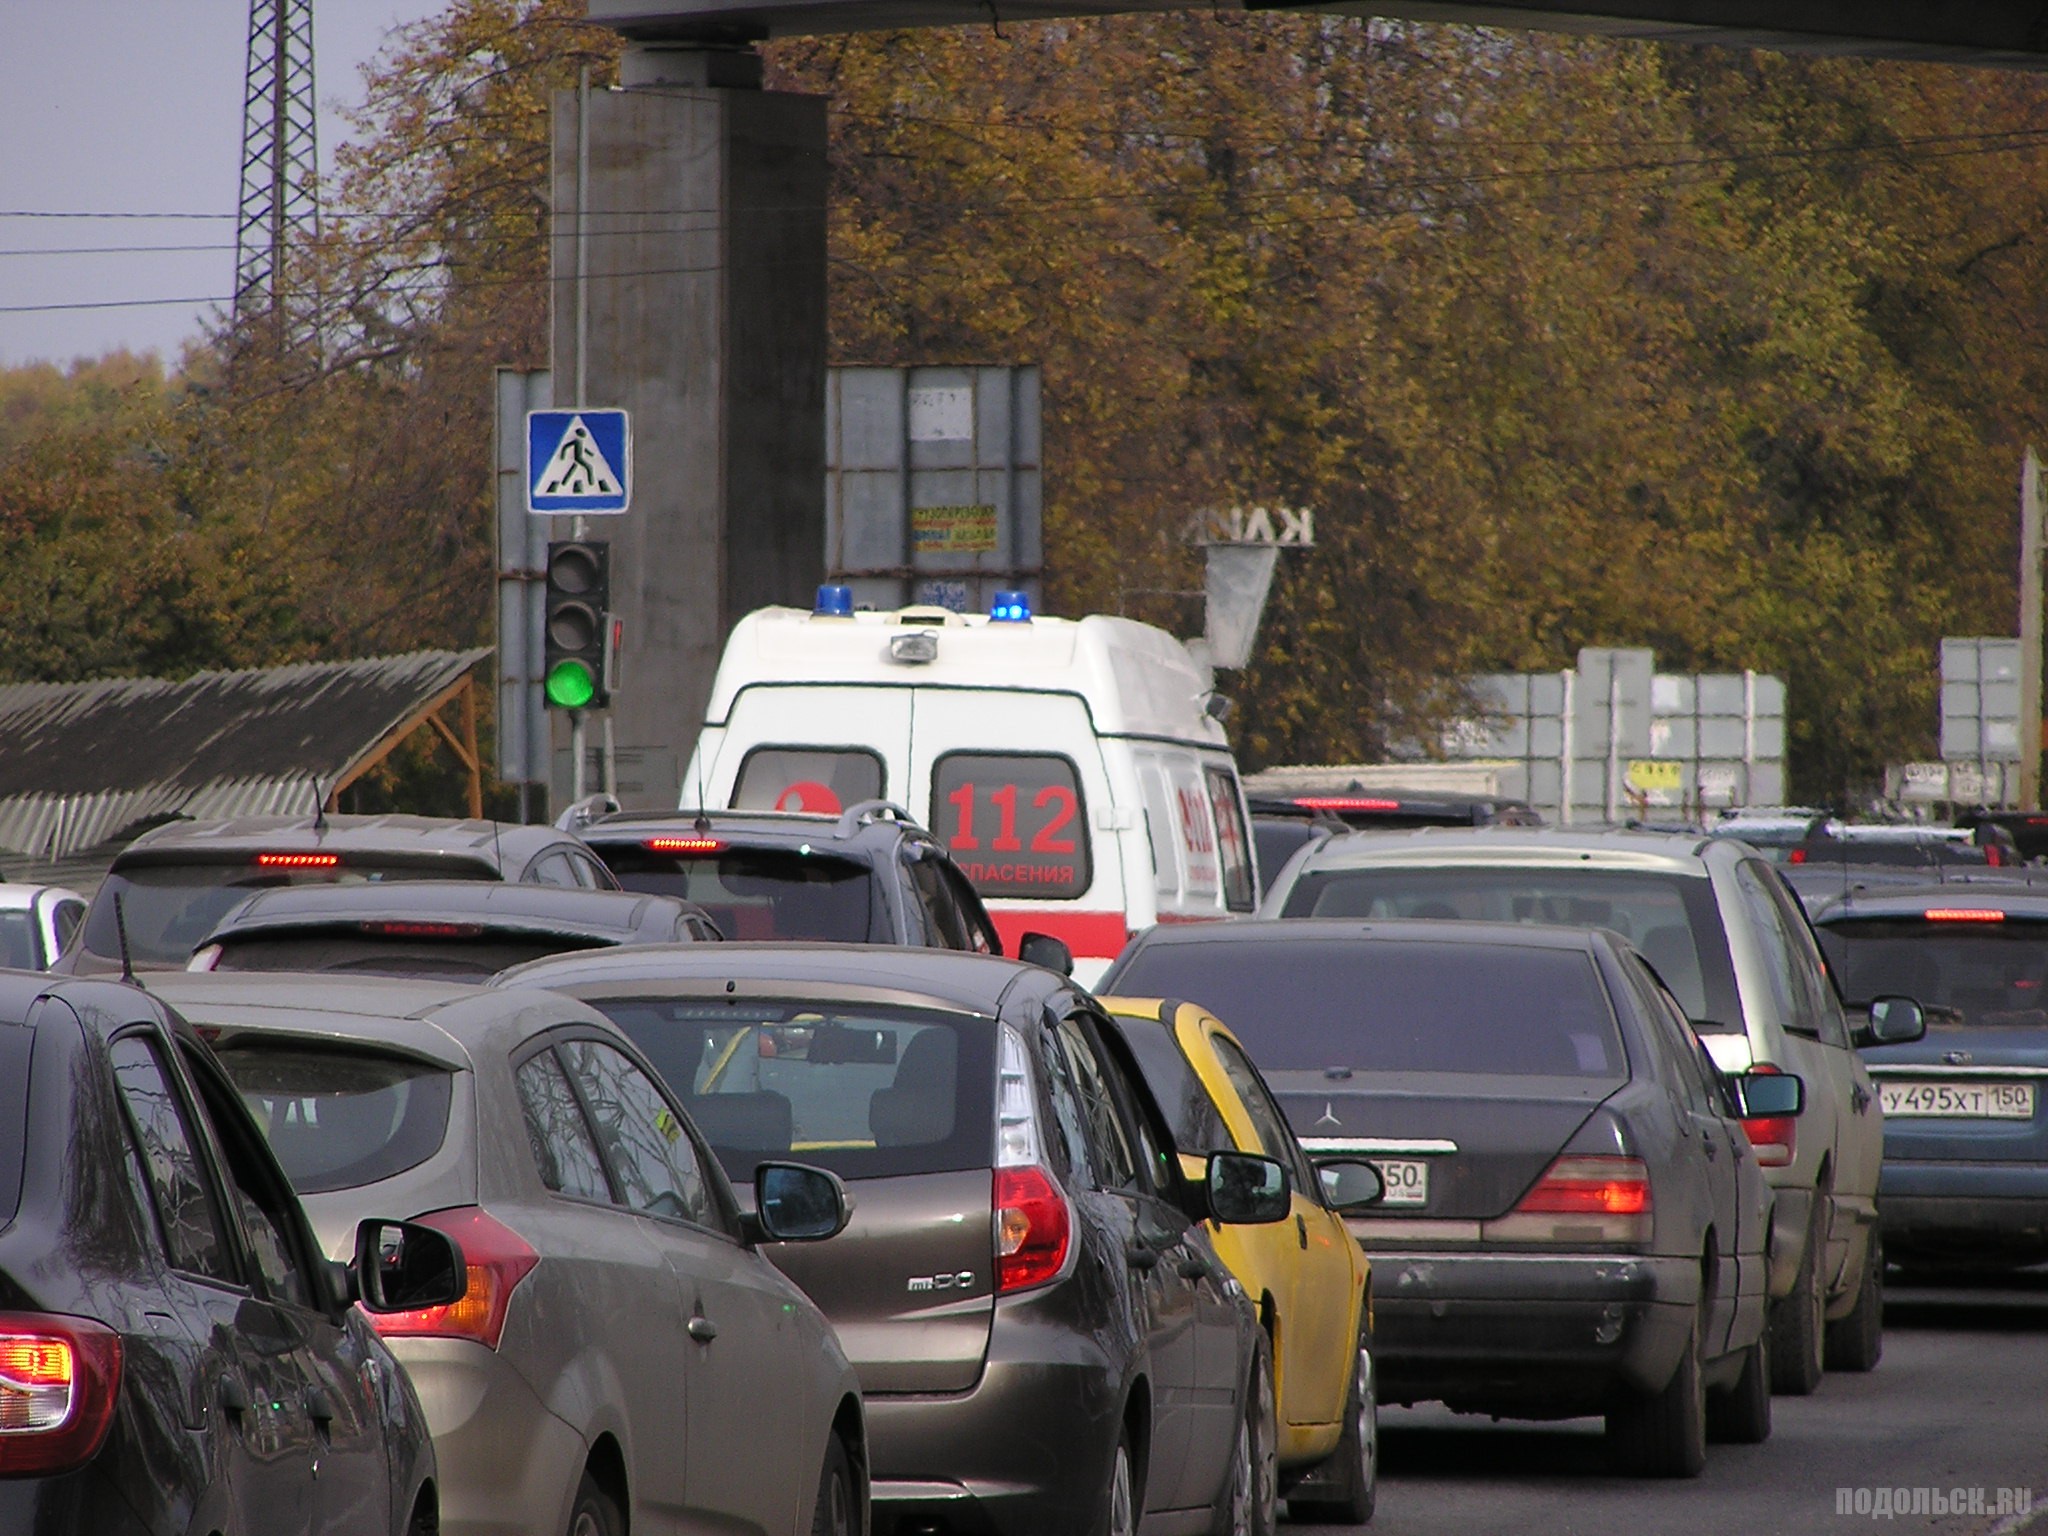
{"points": [[1957, 1210], [1026, 1450], [507, 1464], [1528, 1335]]}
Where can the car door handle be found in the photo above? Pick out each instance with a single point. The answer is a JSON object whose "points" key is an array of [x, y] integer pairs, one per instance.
{"points": [[234, 1397], [1859, 1099], [319, 1406], [1195, 1267], [702, 1329], [1707, 1144], [1141, 1256], [1301, 1231]]}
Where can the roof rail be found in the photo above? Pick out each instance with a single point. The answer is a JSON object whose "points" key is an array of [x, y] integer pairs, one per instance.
{"points": [[865, 812]]}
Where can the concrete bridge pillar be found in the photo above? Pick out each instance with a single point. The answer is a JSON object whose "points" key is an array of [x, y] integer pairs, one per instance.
{"points": [[699, 237]]}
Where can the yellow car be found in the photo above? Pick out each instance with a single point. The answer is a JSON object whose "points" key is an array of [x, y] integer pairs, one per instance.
{"points": [[1311, 1280]]}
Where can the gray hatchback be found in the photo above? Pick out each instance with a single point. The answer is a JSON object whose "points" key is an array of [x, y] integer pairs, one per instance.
{"points": [[625, 1357], [1045, 1337]]}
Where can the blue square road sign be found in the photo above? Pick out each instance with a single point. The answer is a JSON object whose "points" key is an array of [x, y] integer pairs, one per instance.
{"points": [[578, 461]]}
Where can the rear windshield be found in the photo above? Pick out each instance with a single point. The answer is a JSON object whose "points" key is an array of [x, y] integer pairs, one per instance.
{"points": [[1671, 919], [1981, 972], [20, 949], [169, 908], [366, 954], [338, 1119], [1191, 1114], [1914, 854], [1394, 1006], [866, 1094], [761, 893], [15, 1040]]}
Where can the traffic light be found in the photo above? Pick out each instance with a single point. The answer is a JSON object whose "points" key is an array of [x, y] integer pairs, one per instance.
{"points": [[573, 670]]}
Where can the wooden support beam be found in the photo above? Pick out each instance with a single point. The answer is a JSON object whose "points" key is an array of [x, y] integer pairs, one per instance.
{"points": [[427, 715]]}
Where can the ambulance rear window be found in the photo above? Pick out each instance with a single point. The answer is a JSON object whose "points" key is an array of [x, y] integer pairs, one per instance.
{"points": [[824, 780], [1014, 822]]}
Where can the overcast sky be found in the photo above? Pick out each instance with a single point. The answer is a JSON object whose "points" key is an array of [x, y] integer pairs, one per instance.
{"points": [[135, 106]]}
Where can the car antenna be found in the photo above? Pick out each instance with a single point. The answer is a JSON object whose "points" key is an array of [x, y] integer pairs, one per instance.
{"points": [[319, 806], [702, 825], [121, 936]]}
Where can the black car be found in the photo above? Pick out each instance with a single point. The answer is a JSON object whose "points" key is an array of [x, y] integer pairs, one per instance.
{"points": [[1045, 1337], [870, 875], [1574, 1220], [173, 883], [452, 929], [1965, 1178], [176, 1355]]}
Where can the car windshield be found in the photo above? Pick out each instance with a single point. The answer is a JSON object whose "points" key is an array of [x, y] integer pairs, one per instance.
{"points": [[759, 893], [168, 909], [1388, 1005], [1670, 918], [1985, 971], [866, 1094], [468, 957], [341, 1118]]}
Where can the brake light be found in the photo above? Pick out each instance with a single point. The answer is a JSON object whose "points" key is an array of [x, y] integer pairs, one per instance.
{"points": [[1033, 1229], [297, 860], [1581, 1200], [690, 845], [497, 1258], [1796, 856], [1994, 855], [1773, 1137], [1963, 915], [392, 928], [1344, 803], [59, 1378]]}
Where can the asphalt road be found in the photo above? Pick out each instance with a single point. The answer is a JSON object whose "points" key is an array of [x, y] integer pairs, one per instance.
{"points": [[1960, 1400]]}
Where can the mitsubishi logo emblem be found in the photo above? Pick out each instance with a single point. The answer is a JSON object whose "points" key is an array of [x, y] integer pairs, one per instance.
{"points": [[1329, 1116]]}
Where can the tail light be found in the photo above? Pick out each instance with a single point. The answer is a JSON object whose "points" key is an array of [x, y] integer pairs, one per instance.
{"points": [[59, 1377], [1772, 1137], [1581, 1200], [498, 1259], [684, 845], [1033, 1229]]}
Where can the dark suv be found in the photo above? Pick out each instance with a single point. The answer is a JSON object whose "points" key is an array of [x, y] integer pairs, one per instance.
{"points": [[868, 876], [176, 881], [1045, 1337]]}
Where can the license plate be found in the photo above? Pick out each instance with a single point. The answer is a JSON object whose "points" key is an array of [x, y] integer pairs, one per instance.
{"points": [[1961, 1101], [1406, 1178]]}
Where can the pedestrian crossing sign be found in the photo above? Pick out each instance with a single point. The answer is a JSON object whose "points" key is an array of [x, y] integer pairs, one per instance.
{"points": [[578, 461]]}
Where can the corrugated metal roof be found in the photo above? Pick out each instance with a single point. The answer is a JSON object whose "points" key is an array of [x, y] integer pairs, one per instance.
{"points": [[81, 763]]}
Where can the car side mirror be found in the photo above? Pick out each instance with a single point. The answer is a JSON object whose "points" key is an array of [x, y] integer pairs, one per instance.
{"points": [[796, 1203], [1769, 1095], [1350, 1184], [1893, 1021], [402, 1266], [1246, 1191], [1043, 949]]}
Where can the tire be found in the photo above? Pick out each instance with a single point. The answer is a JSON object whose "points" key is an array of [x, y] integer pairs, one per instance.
{"points": [[1120, 1501], [1356, 1461], [1796, 1322], [425, 1520], [1856, 1342], [1741, 1415], [594, 1513], [837, 1512], [1249, 1505], [1664, 1434]]}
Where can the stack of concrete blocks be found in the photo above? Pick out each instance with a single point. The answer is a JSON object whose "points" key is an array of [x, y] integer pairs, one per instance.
{"points": [[1725, 732]]}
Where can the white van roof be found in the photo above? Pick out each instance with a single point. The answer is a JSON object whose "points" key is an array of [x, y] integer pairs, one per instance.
{"points": [[1136, 680]]}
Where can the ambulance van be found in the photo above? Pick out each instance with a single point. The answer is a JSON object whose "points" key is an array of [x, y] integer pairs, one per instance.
{"points": [[1073, 767]]}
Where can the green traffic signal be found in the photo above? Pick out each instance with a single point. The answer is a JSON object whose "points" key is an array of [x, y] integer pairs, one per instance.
{"points": [[570, 685]]}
